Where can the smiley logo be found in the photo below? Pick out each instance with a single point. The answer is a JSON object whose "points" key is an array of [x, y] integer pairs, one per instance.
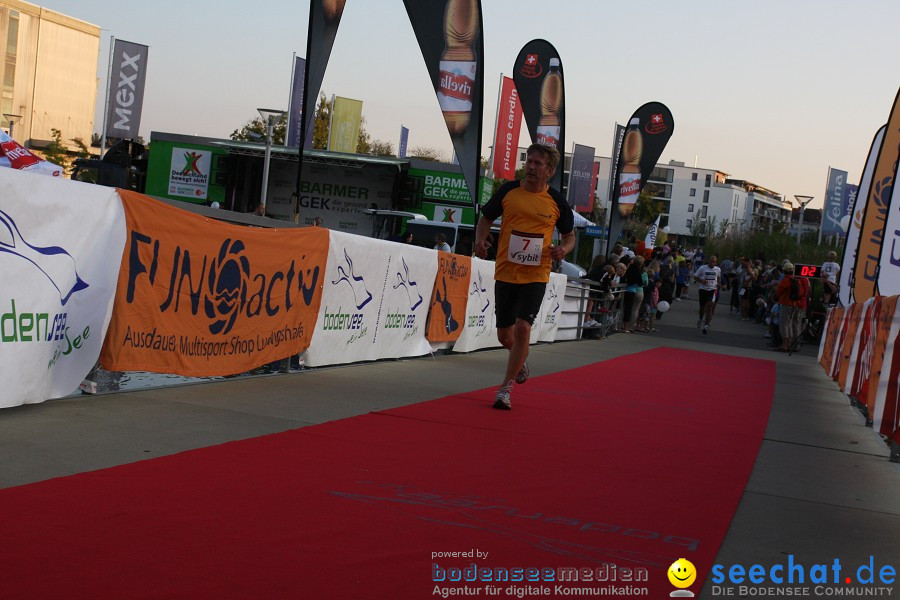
{"points": [[682, 573]]}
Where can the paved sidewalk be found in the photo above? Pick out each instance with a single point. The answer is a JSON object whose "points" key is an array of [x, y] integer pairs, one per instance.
{"points": [[822, 487]]}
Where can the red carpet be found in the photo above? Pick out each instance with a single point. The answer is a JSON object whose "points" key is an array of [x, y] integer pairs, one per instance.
{"points": [[635, 461]]}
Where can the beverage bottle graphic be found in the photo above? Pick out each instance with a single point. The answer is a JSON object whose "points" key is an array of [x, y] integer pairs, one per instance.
{"points": [[547, 131], [458, 64], [630, 177], [333, 9]]}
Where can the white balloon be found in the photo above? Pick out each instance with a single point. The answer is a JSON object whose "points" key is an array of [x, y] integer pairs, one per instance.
{"points": [[666, 229], [662, 306], [845, 222]]}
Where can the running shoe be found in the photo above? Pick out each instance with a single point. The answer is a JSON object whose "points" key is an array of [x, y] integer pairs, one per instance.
{"points": [[522, 375], [501, 400], [699, 323], [705, 329]]}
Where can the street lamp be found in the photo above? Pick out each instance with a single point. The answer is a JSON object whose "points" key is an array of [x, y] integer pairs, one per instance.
{"points": [[11, 119], [802, 201], [269, 117]]}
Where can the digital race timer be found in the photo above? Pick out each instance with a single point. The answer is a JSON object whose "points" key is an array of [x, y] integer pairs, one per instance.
{"points": [[807, 270]]}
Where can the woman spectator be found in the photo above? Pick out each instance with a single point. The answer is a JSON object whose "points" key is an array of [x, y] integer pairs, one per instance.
{"points": [[634, 280]]}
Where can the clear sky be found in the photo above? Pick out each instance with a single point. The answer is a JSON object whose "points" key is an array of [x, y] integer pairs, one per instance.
{"points": [[771, 91]]}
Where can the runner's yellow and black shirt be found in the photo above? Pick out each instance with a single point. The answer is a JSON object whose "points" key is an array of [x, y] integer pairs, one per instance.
{"points": [[523, 254]]}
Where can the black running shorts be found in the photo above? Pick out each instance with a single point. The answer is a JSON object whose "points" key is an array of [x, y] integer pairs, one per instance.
{"points": [[517, 301]]}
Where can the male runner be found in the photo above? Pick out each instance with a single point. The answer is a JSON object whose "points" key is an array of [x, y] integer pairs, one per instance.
{"points": [[709, 276], [530, 209]]}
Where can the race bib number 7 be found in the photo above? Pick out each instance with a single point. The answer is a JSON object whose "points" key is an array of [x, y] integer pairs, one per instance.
{"points": [[525, 248]]}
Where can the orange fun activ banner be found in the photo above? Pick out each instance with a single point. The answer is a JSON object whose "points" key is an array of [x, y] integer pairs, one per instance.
{"points": [[829, 341], [449, 297], [200, 297], [884, 318]]}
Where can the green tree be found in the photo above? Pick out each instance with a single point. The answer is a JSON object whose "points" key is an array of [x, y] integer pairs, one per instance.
{"points": [[255, 131], [56, 152], [381, 148], [363, 140], [321, 122], [646, 209], [427, 153], [82, 152]]}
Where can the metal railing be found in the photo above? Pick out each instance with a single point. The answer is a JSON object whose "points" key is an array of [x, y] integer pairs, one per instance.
{"points": [[598, 313]]}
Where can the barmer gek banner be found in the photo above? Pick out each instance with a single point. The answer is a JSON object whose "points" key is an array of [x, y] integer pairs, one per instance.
{"points": [[538, 74], [126, 89], [646, 136], [450, 37]]}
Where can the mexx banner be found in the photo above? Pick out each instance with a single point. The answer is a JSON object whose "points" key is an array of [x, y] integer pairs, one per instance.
{"points": [[199, 297], [646, 136], [833, 210], [346, 117], [509, 124], [579, 192], [60, 243], [877, 205], [448, 299], [295, 104], [450, 35], [538, 74], [125, 96], [856, 209]]}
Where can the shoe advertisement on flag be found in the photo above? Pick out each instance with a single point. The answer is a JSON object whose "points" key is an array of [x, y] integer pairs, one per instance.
{"points": [[479, 328], [450, 36], [343, 131], [200, 297], [374, 302], [848, 259], [551, 308], [646, 135], [875, 213], [60, 248], [579, 192], [538, 74], [447, 311], [508, 126]]}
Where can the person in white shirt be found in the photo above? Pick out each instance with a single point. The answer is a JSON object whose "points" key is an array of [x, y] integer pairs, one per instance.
{"points": [[830, 271], [709, 278]]}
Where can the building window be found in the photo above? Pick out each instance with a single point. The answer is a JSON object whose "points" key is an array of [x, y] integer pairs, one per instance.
{"points": [[706, 195], [690, 208], [522, 156], [703, 213], [689, 222], [693, 192], [662, 174], [693, 177], [708, 180]]}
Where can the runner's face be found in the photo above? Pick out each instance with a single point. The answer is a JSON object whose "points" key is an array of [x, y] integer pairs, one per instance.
{"points": [[537, 171]]}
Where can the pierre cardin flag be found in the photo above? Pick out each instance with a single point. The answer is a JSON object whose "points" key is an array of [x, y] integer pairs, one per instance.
{"points": [[509, 123], [877, 206], [538, 74], [450, 37], [646, 136]]}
